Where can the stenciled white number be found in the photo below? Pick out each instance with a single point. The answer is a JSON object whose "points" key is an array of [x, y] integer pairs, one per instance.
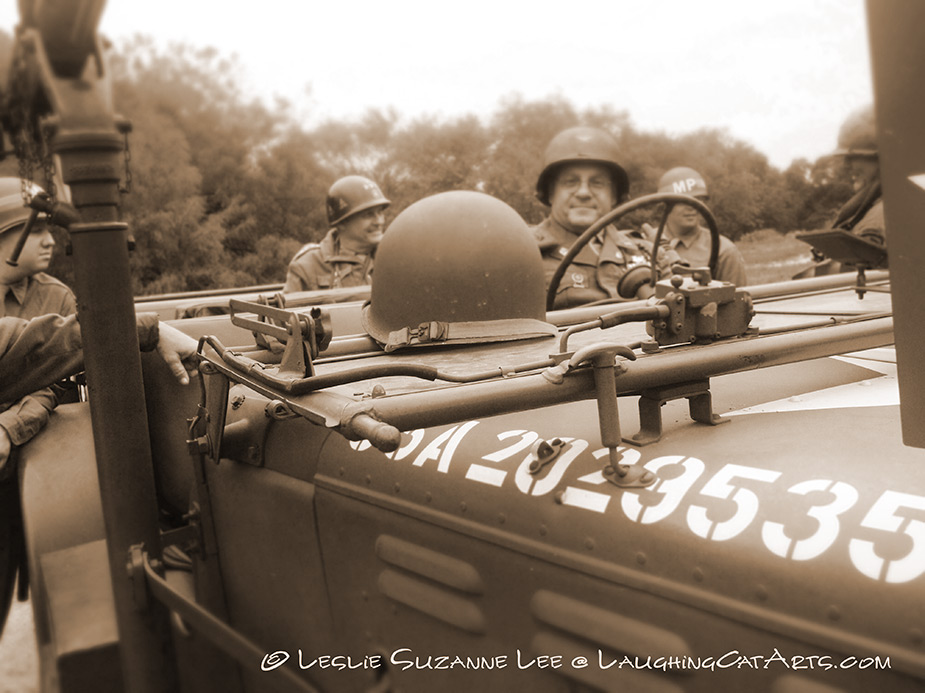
{"points": [[746, 502], [592, 500], [671, 491], [776, 539], [491, 475], [883, 515], [528, 483]]}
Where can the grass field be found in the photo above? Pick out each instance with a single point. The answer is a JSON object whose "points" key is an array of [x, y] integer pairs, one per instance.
{"points": [[771, 256]]}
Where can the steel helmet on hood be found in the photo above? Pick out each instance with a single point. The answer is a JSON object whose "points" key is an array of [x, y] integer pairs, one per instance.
{"points": [[683, 181], [581, 145], [858, 134], [13, 209], [457, 267], [353, 194]]}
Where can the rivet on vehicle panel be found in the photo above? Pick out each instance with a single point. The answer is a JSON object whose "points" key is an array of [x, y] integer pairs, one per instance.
{"points": [[397, 487], [341, 471], [698, 574], [378, 391], [589, 544], [916, 636], [369, 480], [428, 496], [640, 558], [761, 593], [502, 518], [463, 506], [543, 530], [833, 612], [558, 497]]}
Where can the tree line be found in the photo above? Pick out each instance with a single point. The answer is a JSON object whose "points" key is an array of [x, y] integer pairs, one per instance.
{"points": [[226, 188]]}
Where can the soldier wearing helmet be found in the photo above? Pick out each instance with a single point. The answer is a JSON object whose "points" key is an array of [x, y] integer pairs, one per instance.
{"points": [[581, 181], [862, 215], [27, 293], [356, 215], [689, 237]]}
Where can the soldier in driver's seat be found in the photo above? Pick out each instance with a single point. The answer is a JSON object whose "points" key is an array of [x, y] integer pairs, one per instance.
{"points": [[582, 181]]}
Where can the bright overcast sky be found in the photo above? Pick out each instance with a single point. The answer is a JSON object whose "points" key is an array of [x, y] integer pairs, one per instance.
{"points": [[779, 74]]}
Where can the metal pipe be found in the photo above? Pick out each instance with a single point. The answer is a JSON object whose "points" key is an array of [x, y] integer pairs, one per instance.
{"points": [[83, 134], [451, 404], [758, 292]]}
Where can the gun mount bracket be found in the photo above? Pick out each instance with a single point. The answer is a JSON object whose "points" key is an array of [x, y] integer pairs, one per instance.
{"points": [[700, 402]]}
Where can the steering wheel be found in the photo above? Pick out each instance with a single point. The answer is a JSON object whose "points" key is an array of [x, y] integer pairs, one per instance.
{"points": [[669, 200]]}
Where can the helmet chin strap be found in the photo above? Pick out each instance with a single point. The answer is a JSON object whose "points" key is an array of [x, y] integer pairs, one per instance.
{"points": [[59, 214]]}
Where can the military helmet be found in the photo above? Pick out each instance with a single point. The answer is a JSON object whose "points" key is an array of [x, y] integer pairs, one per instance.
{"points": [[353, 194], [13, 209], [682, 180], [581, 145], [858, 134], [454, 268]]}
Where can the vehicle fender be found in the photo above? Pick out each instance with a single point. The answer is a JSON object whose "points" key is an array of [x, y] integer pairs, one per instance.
{"points": [[60, 494]]}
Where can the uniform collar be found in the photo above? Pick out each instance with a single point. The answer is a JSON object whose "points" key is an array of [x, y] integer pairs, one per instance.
{"points": [[330, 248], [550, 235], [18, 289], [687, 241]]}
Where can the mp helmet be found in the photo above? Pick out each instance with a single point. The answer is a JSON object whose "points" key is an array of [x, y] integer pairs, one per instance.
{"points": [[682, 180], [581, 145], [13, 209], [858, 134], [350, 195], [456, 268]]}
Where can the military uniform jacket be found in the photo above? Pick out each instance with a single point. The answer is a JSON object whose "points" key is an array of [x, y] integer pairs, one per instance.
{"points": [[596, 271], [35, 353], [40, 294], [326, 266], [695, 250]]}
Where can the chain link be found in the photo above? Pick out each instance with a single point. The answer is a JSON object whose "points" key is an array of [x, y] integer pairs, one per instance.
{"points": [[127, 152], [48, 168]]}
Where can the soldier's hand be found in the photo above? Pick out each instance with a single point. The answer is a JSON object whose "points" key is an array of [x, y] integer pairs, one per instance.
{"points": [[179, 352]]}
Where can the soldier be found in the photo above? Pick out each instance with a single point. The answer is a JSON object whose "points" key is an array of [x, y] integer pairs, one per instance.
{"points": [[27, 293], [35, 353], [687, 235], [862, 215], [581, 181], [356, 215]]}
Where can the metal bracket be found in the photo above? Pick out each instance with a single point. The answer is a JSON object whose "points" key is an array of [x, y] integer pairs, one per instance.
{"points": [[544, 452], [699, 399], [603, 361]]}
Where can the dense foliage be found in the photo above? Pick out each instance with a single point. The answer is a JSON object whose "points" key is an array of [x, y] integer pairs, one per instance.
{"points": [[226, 188]]}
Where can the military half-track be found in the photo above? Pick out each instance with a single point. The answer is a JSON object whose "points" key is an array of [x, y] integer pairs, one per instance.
{"points": [[708, 490]]}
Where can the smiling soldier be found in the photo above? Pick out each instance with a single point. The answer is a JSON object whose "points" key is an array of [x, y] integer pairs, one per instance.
{"points": [[582, 181], [356, 215]]}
